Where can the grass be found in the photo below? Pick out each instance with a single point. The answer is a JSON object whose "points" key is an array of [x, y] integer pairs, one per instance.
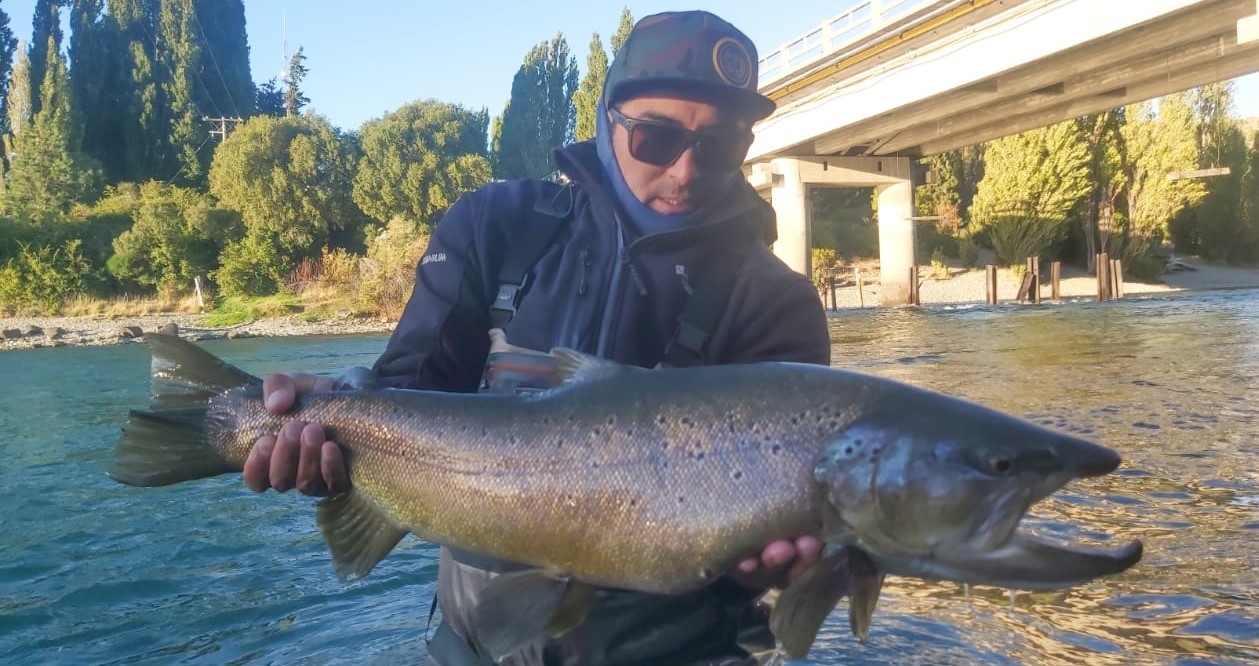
{"points": [[235, 310], [125, 306]]}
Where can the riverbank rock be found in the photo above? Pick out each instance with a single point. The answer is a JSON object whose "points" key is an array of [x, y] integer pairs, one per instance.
{"points": [[130, 332], [168, 329]]}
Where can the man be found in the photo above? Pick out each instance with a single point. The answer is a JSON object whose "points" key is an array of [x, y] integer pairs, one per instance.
{"points": [[656, 254]]}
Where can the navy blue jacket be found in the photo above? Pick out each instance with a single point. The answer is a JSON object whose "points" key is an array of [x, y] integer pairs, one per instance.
{"points": [[601, 289]]}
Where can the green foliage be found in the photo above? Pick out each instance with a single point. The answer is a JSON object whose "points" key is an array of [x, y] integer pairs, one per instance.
{"points": [[1032, 182], [419, 159], [957, 175], [18, 99], [843, 220], [968, 251], [1156, 146], [269, 99], [227, 87], [939, 268], [42, 279], [234, 310], [49, 173], [586, 99], [827, 265], [177, 42], [176, 236], [45, 28], [294, 100], [8, 47], [387, 274], [623, 29], [252, 266], [291, 181], [539, 117]]}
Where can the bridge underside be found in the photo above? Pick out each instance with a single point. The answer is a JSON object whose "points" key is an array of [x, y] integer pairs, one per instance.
{"points": [[991, 69]]}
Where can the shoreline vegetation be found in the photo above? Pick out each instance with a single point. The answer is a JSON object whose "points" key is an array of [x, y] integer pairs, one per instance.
{"points": [[953, 286]]}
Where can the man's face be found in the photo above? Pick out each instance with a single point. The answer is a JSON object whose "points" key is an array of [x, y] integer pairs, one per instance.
{"points": [[686, 183]]}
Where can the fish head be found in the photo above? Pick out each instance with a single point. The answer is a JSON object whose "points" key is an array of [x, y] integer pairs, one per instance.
{"points": [[935, 487]]}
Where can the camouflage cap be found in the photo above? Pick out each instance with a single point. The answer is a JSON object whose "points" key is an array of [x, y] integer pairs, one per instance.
{"points": [[694, 53]]}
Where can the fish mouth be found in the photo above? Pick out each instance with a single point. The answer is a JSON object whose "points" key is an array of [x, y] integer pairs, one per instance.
{"points": [[1029, 562]]}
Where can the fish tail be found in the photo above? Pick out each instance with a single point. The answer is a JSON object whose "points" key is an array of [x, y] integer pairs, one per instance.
{"points": [[168, 443]]}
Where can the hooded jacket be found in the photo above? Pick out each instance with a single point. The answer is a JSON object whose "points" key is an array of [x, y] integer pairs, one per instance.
{"points": [[602, 289]]}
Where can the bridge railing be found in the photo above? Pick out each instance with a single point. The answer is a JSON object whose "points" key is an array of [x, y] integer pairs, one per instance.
{"points": [[850, 27]]}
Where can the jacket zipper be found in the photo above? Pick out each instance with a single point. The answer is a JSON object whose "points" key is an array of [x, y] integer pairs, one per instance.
{"points": [[612, 300]]}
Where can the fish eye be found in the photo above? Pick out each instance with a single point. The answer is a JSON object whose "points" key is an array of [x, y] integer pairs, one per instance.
{"points": [[1001, 465]]}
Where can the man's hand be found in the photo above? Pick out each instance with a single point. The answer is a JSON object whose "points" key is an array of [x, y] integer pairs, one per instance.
{"points": [[300, 455], [781, 563]]}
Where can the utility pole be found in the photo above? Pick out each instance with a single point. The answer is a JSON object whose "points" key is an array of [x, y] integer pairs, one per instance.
{"points": [[219, 126]]}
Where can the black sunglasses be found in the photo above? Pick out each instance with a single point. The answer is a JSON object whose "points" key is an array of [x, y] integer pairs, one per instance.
{"points": [[661, 143]]}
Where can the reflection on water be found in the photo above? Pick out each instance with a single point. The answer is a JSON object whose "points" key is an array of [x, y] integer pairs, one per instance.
{"points": [[1170, 383], [95, 573]]}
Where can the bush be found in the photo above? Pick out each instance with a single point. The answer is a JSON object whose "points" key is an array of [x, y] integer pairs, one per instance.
{"points": [[1017, 237], [251, 266], [968, 251], [40, 280], [387, 274]]}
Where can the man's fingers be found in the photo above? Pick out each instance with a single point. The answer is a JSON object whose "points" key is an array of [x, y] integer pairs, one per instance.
{"points": [[335, 474], [285, 456], [778, 553], [257, 471], [310, 479], [808, 550]]}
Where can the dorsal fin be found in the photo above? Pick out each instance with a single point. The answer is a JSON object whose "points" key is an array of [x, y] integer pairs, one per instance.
{"points": [[575, 367]]}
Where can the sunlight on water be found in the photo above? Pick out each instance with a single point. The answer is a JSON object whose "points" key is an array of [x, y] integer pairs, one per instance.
{"points": [[92, 572]]}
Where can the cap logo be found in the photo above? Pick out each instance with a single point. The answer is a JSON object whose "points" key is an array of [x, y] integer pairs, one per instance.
{"points": [[732, 62]]}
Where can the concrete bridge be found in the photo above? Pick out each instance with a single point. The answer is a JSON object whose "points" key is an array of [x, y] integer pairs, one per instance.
{"points": [[887, 81]]}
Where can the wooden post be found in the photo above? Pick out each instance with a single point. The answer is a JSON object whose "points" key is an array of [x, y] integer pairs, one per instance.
{"points": [[913, 286], [1055, 276], [196, 281], [1116, 277], [1033, 267], [861, 290], [990, 284], [1103, 277]]}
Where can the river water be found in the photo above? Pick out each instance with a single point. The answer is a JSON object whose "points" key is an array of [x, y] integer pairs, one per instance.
{"points": [[92, 572]]}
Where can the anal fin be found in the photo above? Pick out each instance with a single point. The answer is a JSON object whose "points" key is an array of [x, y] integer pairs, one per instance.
{"points": [[519, 608], [866, 583]]}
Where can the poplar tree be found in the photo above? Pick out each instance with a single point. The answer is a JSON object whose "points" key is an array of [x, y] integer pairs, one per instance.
{"points": [[94, 80], [8, 47], [622, 31], [18, 101], [45, 25], [539, 117], [49, 173], [136, 90], [1158, 143], [586, 99]]}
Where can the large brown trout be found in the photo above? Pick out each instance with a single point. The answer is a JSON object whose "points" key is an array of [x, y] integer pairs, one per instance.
{"points": [[653, 480]]}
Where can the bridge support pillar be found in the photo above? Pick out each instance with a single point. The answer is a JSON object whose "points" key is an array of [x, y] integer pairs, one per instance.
{"points": [[789, 194], [896, 241]]}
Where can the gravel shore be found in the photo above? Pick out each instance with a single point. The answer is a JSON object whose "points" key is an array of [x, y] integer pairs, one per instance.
{"points": [[959, 287]]}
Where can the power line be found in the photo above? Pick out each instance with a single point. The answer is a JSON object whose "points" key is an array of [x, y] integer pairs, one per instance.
{"points": [[214, 61]]}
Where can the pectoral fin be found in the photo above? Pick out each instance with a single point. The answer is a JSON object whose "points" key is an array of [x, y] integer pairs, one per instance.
{"points": [[802, 608], [519, 608], [358, 534]]}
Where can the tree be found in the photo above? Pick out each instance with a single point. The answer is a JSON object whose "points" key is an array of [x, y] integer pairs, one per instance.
{"points": [[1032, 182], [1157, 143], [8, 46], [49, 173], [93, 74], [622, 31], [1101, 215], [418, 159], [186, 133], [539, 117], [227, 85], [291, 181], [269, 99], [294, 100], [586, 99], [176, 236], [135, 93], [45, 25], [18, 100]]}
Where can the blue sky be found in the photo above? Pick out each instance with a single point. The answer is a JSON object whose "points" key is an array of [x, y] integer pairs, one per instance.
{"points": [[368, 57]]}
